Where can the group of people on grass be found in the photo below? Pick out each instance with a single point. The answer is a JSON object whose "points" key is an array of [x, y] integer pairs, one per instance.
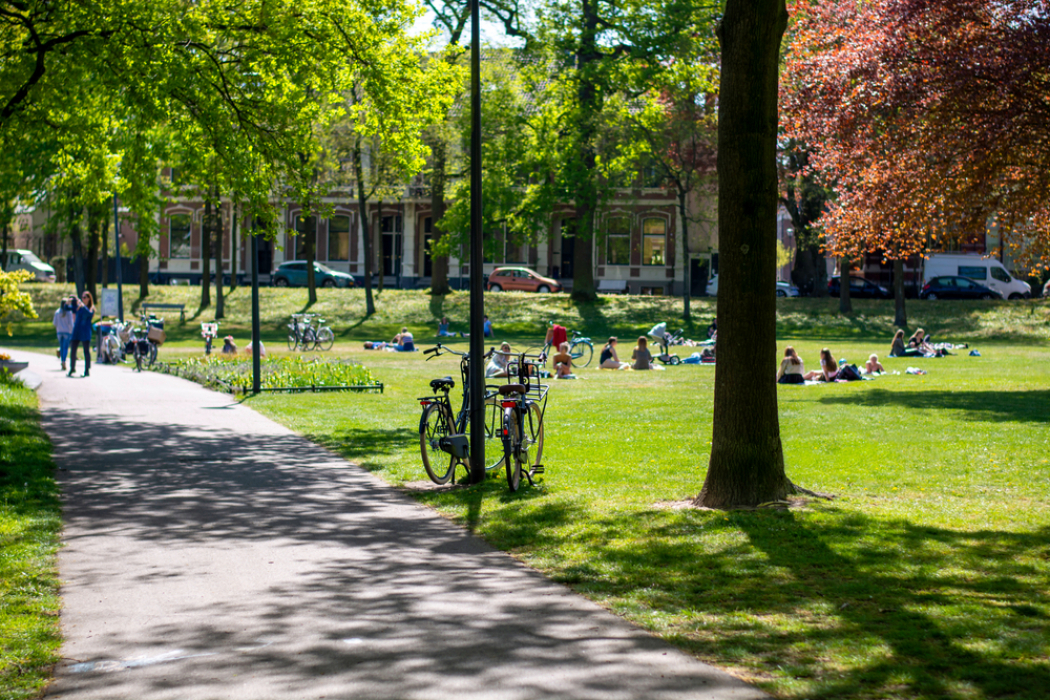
{"points": [[792, 369]]}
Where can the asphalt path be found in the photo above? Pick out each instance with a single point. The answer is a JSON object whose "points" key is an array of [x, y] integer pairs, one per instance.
{"points": [[210, 553]]}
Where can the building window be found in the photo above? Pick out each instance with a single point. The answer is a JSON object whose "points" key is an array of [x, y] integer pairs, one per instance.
{"points": [[303, 226], [339, 238], [618, 241], [179, 236], [654, 242]]}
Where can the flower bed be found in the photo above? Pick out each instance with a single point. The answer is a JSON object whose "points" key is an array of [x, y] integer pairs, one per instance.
{"points": [[234, 374]]}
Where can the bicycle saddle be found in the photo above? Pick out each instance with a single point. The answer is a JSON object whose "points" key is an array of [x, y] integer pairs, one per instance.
{"points": [[441, 384], [512, 389]]}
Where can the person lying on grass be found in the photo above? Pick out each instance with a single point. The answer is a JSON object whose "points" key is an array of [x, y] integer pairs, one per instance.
{"points": [[873, 365]]}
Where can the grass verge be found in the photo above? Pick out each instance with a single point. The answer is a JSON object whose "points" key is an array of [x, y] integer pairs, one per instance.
{"points": [[30, 520]]}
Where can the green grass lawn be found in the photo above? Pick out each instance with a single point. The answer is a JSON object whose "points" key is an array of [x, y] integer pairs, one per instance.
{"points": [[30, 520], [927, 577]]}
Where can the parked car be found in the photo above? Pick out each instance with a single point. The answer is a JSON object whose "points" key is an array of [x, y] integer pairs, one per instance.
{"points": [[859, 288], [293, 274], [985, 271], [786, 289], [952, 287], [520, 279], [27, 260]]}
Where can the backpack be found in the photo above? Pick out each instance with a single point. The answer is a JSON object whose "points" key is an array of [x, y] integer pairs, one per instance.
{"points": [[849, 373]]}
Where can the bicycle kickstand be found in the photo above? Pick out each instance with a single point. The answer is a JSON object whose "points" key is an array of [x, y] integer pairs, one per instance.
{"points": [[537, 469]]}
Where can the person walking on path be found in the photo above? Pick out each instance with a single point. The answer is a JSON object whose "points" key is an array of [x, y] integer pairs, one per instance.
{"points": [[63, 322], [82, 333]]}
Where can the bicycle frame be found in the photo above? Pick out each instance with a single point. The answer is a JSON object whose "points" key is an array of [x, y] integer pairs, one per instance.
{"points": [[522, 428]]}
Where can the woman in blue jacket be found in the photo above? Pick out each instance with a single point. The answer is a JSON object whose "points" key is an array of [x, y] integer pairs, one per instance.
{"points": [[82, 333]]}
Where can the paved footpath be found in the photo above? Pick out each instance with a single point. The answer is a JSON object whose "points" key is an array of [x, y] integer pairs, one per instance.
{"points": [[210, 553]]}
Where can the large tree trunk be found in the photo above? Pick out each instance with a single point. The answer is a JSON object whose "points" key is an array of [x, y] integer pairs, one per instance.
{"points": [[366, 229], [586, 196], [209, 208], [845, 304], [105, 256], [900, 317], [438, 264], [747, 459], [3, 246], [220, 301], [687, 294]]}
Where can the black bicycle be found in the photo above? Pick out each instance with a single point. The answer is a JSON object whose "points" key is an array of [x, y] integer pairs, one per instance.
{"points": [[444, 436], [523, 405], [145, 348]]}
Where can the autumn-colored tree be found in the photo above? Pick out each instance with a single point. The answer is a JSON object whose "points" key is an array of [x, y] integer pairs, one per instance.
{"points": [[930, 116]]}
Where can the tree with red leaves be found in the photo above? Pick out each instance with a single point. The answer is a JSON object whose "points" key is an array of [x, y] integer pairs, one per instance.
{"points": [[931, 118]]}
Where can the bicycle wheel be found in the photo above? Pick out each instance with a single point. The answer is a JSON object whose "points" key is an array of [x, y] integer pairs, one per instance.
{"points": [[138, 357], [309, 339], [293, 341], [325, 338], [152, 353], [436, 424], [582, 351], [493, 441], [533, 439], [511, 447]]}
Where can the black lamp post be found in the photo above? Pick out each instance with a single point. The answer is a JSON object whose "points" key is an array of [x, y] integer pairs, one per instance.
{"points": [[120, 272], [477, 292]]}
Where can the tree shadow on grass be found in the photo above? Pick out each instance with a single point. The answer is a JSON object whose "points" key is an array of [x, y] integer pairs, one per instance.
{"points": [[843, 606], [993, 406], [363, 445]]}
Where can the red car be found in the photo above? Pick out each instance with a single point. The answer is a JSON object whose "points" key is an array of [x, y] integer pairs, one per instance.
{"points": [[520, 279]]}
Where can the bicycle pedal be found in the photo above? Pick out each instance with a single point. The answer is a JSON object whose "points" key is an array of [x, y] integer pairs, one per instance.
{"points": [[537, 469]]}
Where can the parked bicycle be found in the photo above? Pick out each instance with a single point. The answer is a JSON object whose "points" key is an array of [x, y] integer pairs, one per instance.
{"points": [[152, 337], [114, 342], [308, 332], [523, 405], [444, 436]]}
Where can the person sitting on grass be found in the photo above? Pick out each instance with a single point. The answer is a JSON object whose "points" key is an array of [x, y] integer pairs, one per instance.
{"points": [[249, 348], [920, 341], [791, 368], [828, 371], [228, 346], [899, 349], [403, 341], [563, 363], [443, 331], [873, 365], [643, 359], [609, 359], [499, 363]]}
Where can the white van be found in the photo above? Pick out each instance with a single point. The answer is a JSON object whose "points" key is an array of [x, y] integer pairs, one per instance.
{"points": [[987, 271], [26, 260]]}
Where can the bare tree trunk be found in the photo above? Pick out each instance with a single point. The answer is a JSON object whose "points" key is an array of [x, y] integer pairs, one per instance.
{"points": [[94, 244], [310, 250], [685, 255], [78, 251], [105, 256], [586, 196], [845, 304], [900, 317], [234, 243], [380, 262], [3, 248], [747, 458], [143, 276], [439, 264], [209, 208], [366, 229], [220, 301]]}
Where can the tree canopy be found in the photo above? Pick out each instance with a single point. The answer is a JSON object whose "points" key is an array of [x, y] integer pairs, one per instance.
{"points": [[930, 116]]}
